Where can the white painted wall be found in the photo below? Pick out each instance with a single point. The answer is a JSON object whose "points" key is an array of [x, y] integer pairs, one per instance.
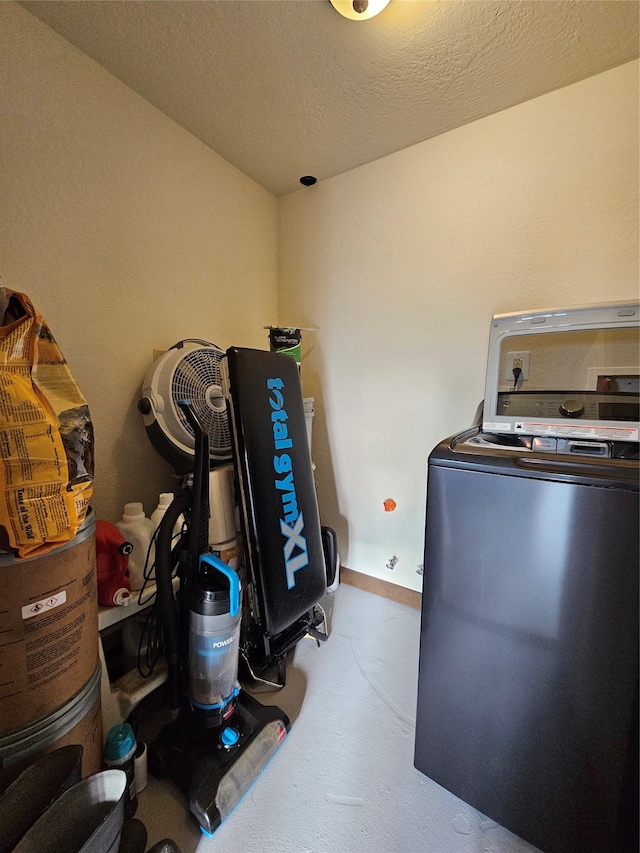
{"points": [[402, 263], [127, 233]]}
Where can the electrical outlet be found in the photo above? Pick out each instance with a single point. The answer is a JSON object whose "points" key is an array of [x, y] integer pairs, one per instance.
{"points": [[517, 359]]}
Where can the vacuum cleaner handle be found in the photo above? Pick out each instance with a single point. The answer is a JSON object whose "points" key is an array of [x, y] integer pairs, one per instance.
{"points": [[199, 532], [198, 538]]}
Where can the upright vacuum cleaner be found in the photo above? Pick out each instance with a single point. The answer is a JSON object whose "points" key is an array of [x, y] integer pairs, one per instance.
{"points": [[220, 738]]}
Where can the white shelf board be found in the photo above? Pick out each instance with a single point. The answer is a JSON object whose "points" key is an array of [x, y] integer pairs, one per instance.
{"points": [[108, 616]]}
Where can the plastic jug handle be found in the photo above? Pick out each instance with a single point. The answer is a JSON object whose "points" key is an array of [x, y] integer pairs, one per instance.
{"points": [[234, 580]]}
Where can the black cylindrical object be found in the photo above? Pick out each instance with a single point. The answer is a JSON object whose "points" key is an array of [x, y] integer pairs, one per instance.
{"points": [[166, 602]]}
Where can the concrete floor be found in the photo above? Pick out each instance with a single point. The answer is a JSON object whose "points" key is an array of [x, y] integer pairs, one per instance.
{"points": [[343, 780]]}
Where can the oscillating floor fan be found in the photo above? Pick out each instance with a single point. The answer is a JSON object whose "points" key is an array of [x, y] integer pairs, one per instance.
{"points": [[190, 370]]}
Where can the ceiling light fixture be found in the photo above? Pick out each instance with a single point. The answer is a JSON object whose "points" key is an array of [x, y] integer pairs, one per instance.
{"points": [[359, 10]]}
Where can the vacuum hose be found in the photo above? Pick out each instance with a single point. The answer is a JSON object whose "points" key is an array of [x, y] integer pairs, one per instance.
{"points": [[166, 602]]}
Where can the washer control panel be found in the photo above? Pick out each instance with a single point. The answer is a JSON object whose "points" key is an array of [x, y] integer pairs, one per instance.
{"points": [[591, 405]]}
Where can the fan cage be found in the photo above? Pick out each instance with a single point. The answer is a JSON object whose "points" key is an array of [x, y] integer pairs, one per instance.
{"points": [[197, 379]]}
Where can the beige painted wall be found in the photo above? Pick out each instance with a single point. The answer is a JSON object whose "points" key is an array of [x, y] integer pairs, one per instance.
{"points": [[570, 361], [402, 263], [127, 233]]}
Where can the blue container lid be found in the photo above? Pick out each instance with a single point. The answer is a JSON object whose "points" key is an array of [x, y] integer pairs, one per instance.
{"points": [[120, 741]]}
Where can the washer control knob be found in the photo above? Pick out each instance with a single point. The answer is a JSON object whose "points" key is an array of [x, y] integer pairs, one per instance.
{"points": [[229, 737], [571, 409]]}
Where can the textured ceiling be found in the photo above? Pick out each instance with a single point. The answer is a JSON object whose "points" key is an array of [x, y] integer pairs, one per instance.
{"points": [[285, 88]]}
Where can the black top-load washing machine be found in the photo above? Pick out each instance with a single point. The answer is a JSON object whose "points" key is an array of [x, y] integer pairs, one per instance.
{"points": [[528, 682]]}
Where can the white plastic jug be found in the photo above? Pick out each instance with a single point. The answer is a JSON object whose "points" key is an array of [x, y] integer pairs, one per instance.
{"points": [[137, 529], [165, 500]]}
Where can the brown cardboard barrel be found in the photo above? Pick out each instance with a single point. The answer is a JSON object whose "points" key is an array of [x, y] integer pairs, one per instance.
{"points": [[78, 721], [48, 630]]}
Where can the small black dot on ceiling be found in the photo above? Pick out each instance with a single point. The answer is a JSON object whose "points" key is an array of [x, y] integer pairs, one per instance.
{"points": [[308, 180]]}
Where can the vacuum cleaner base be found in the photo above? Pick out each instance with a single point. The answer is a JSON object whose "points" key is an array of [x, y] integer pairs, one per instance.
{"points": [[215, 767]]}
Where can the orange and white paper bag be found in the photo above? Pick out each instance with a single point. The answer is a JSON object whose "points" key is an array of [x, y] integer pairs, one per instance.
{"points": [[46, 435]]}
